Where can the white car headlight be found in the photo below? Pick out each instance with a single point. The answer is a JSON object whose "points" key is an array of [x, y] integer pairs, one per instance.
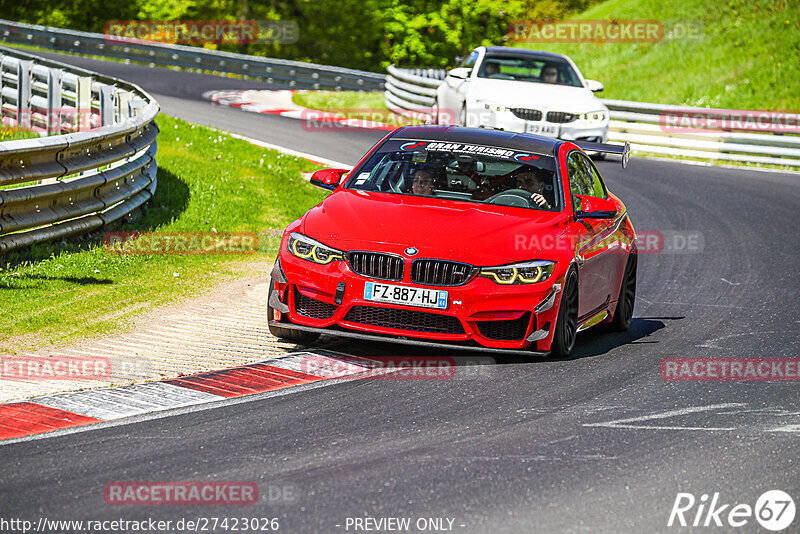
{"points": [[594, 116], [309, 249]]}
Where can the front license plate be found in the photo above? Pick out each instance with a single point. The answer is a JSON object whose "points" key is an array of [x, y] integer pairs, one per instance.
{"points": [[410, 296], [541, 129]]}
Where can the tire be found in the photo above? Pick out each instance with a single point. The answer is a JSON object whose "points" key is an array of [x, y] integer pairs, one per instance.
{"points": [[300, 337], [627, 296], [567, 323]]}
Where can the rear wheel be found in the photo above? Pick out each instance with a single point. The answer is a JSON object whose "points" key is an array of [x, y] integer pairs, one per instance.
{"points": [[294, 336], [627, 296], [567, 323]]}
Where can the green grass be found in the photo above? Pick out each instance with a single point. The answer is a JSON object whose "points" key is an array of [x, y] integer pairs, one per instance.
{"points": [[369, 105], [58, 292], [14, 133], [747, 55]]}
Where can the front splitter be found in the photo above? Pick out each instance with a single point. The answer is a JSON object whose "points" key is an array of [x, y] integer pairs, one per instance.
{"points": [[404, 341]]}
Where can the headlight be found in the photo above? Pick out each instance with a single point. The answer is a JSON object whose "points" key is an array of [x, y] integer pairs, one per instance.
{"points": [[528, 272], [593, 116], [311, 250], [491, 106]]}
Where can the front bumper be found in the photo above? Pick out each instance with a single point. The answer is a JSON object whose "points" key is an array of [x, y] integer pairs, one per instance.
{"points": [[596, 131], [479, 313]]}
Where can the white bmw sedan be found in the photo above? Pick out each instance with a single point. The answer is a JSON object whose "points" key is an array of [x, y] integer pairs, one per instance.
{"points": [[523, 91]]}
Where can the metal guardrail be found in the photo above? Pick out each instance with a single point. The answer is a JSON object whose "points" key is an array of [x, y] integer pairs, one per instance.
{"points": [[97, 165], [411, 92], [294, 74]]}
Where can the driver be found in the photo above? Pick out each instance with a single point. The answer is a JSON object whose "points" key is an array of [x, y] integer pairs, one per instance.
{"points": [[534, 185], [423, 183], [549, 73]]}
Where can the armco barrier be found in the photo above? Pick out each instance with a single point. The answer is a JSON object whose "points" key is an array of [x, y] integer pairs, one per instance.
{"points": [[294, 74], [412, 91], [96, 166]]}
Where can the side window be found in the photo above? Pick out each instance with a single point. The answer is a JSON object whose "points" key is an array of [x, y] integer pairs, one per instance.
{"points": [[577, 178], [470, 61], [598, 187], [584, 179]]}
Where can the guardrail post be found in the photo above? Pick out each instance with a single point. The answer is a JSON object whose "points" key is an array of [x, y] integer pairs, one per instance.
{"points": [[107, 110], [2, 60], [83, 103], [124, 111], [54, 101], [24, 93]]}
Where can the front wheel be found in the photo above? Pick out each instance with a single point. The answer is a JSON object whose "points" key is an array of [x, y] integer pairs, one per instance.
{"points": [[567, 322], [627, 295], [287, 334]]}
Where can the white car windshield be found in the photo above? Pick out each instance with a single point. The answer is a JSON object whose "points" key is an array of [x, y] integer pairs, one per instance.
{"points": [[529, 69], [525, 182]]}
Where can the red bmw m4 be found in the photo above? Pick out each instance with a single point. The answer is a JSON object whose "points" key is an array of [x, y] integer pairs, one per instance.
{"points": [[463, 238]]}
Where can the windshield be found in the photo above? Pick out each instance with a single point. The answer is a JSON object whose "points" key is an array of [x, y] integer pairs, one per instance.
{"points": [[461, 172], [529, 69]]}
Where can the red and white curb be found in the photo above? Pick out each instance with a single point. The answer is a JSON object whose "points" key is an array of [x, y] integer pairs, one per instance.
{"points": [[67, 410], [280, 104]]}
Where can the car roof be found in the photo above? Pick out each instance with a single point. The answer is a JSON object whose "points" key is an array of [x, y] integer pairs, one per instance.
{"points": [[520, 52], [480, 136]]}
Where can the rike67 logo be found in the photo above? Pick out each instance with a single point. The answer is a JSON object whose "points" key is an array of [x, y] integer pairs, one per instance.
{"points": [[774, 510]]}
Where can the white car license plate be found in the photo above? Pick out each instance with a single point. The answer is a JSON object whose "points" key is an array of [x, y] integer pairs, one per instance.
{"points": [[542, 129], [410, 296]]}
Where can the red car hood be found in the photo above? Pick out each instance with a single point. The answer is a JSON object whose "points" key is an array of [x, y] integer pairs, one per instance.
{"points": [[460, 231]]}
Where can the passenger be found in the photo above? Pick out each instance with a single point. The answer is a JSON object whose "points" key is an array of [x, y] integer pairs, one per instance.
{"points": [[491, 69], [423, 183]]}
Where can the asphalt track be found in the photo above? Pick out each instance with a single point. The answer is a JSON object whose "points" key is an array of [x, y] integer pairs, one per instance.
{"points": [[597, 443]]}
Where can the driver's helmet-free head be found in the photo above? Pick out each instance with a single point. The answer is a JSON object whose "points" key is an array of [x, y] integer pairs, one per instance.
{"points": [[529, 181], [491, 68], [550, 73]]}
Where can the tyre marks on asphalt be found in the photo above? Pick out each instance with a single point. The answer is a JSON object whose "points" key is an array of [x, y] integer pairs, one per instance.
{"points": [[81, 408]]}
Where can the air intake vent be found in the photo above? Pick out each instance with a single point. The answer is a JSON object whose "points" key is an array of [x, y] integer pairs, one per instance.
{"points": [[505, 330], [527, 114], [441, 273], [308, 307], [404, 320], [375, 265], [560, 116]]}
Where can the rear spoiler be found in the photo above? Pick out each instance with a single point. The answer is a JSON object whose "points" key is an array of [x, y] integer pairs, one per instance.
{"points": [[622, 150]]}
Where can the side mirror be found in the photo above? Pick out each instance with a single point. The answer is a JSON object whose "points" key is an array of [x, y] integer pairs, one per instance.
{"points": [[594, 208], [594, 86], [328, 178], [461, 73]]}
